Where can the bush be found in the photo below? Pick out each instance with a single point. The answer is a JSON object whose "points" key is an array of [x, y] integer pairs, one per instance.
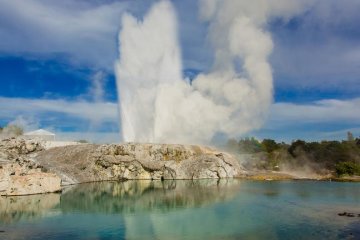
{"points": [[269, 145], [347, 168], [13, 130]]}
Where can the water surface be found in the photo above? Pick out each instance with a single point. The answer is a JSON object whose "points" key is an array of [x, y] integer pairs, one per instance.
{"points": [[204, 209]]}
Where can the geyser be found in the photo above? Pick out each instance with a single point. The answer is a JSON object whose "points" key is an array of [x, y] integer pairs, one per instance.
{"points": [[159, 105]]}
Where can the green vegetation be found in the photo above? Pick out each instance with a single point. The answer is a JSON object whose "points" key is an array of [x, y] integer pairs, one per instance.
{"points": [[347, 168], [342, 158]]}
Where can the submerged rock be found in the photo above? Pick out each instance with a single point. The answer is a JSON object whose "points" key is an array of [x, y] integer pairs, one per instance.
{"points": [[347, 214], [86, 163]]}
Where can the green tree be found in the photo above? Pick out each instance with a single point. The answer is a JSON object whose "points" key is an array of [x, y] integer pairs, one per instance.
{"points": [[295, 146], [269, 145]]}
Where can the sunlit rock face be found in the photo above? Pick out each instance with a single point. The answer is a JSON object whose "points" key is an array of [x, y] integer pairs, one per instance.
{"points": [[19, 174], [85, 163], [26, 168], [20, 180]]}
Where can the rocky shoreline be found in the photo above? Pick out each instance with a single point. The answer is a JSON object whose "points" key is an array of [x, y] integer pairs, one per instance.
{"points": [[27, 167]]}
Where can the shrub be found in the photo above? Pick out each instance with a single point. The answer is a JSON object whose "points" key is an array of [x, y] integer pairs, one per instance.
{"points": [[13, 130], [347, 168]]}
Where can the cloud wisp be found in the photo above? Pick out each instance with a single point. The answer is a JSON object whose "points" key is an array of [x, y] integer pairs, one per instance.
{"points": [[83, 32], [101, 112], [328, 110], [328, 119]]}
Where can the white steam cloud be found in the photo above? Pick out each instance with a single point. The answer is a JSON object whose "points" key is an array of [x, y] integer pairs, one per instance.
{"points": [[158, 105]]}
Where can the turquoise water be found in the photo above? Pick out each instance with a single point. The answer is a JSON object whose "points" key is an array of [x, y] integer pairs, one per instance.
{"points": [[205, 209]]}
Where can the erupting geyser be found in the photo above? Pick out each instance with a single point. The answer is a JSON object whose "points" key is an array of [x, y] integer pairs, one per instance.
{"points": [[158, 105]]}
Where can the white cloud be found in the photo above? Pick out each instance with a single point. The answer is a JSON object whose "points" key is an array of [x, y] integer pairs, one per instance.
{"points": [[70, 120], [322, 111], [84, 32], [99, 112], [328, 119], [321, 49], [97, 91]]}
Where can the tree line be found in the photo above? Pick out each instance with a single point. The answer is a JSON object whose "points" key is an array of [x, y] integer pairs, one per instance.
{"points": [[340, 157]]}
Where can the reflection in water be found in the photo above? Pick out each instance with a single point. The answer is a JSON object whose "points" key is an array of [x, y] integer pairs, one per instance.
{"points": [[203, 209], [139, 196], [16, 208], [119, 197]]}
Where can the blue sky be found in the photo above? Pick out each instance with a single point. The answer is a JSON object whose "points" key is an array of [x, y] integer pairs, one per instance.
{"points": [[57, 60]]}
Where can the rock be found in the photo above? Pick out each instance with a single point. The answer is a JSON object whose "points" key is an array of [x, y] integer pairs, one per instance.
{"points": [[346, 214], [19, 175], [139, 161], [18, 180], [26, 168]]}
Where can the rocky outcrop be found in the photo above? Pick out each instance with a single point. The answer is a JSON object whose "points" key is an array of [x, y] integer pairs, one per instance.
{"points": [[16, 148], [19, 174], [27, 168], [19, 180], [86, 163]]}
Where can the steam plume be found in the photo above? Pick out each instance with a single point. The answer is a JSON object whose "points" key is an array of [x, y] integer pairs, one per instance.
{"points": [[158, 105]]}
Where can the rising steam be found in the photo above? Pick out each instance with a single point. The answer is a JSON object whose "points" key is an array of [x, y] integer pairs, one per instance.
{"points": [[158, 105]]}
